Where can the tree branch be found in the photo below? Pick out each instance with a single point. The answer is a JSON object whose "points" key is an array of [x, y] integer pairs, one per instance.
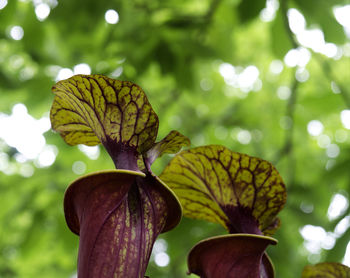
{"points": [[284, 10], [288, 141]]}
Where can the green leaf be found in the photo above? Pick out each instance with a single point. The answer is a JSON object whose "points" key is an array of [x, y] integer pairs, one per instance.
{"points": [[249, 9], [92, 109], [172, 143], [280, 40], [329, 270], [240, 192], [320, 12]]}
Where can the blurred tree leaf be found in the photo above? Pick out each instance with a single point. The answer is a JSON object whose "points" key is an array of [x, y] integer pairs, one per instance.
{"points": [[250, 9], [280, 40], [321, 13], [329, 270]]}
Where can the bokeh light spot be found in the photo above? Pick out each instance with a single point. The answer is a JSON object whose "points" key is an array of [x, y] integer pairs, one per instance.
{"points": [[42, 11], [16, 33], [162, 259], [338, 205], [315, 128], [333, 151], [64, 73], [276, 67], [244, 137], [112, 17], [283, 92], [82, 69], [79, 167], [3, 4], [345, 118], [92, 152]]}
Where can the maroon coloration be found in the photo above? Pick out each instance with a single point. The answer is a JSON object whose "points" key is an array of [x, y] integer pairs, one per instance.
{"points": [[118, 216], [241, 220], [232, 256], [123, 156]]}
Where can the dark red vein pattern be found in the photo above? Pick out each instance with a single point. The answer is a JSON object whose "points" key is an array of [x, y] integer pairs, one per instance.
{"points": [[89, 109], [118, 217], [240, 192]]}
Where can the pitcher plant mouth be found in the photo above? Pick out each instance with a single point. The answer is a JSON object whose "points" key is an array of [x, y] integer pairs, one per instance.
{"points": [[234, 255], [80, 188], [118, 214]]}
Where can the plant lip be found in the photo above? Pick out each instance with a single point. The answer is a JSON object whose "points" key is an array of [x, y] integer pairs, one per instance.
{"points": [[177, 202], [175, 214], [69, 208], [272, 240], [111, 171]]}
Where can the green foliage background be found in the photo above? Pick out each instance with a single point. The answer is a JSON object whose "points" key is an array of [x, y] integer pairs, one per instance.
{"points": [[173, 49]]}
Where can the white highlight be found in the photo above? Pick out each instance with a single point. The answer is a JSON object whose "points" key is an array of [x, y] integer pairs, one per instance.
{"points": [[92, 152], [283, 92], [3, 4], [26, 170], [302, 74], [323, 141], [345, 118], [23, 132], [162, 259], [79, 167], [341, 136], [333, 151], [335, 88], [346, 260], [47, 157], [306, 208], [244, 137], [297, 57], [342, 15], [246, 79], [4, 161], [117, 72], [16, 33], [206, 84], [64, 73], [82, 69], [342, 226], [160, 246], [316, 239], [296, 20], [276, 67], [42, 11], [338, 205], [269, 12], [315, 128], [112, 17], [313, 38], [226, 70]]}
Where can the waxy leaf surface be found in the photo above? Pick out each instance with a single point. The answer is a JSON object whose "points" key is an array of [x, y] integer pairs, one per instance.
{"points": [[241, 192], [118, 215], [92, 109], [326, 270]]}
